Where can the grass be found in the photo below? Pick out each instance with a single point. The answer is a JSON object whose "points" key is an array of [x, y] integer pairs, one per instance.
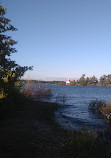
{"points": [[84, 144]]}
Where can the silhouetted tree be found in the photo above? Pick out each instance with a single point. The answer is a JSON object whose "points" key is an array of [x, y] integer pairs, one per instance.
{"points": [[10, 72]]}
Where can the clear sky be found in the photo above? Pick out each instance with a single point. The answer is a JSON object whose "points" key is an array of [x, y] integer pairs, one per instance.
{"points": [[62, 38]]}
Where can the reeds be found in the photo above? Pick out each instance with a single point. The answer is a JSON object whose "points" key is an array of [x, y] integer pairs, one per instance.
{"points": [[40, 93]]}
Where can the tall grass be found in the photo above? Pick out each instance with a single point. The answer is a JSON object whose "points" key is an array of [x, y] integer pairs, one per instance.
{"points": [[85, 144], [40, 93]]}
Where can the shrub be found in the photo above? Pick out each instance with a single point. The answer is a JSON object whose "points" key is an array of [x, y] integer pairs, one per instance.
{"points": [[100, 107], [106, 110], [96, 105]]}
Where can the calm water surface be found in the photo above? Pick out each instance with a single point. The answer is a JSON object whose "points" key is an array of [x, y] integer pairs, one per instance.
{"points": [[74, 112]]}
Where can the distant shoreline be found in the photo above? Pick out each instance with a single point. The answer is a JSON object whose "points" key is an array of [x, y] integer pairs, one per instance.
{"points": [[61, 83]]}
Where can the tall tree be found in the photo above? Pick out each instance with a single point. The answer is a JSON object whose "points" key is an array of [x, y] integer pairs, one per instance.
{"points": [[104, 80], [82, 80], [87, 81], [10, 72], [93, 80]]}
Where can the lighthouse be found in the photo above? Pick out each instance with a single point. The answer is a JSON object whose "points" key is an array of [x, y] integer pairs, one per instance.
{"points": [[68, 82]]}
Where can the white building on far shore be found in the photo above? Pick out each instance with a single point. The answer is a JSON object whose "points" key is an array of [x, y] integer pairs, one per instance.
{"points": [[68, 82]]}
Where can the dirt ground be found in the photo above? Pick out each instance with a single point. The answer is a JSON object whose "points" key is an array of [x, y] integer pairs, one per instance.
{"points": [[29, 134]]}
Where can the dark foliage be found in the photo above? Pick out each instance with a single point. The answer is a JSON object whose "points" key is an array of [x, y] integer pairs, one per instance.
{"points": [[10, 71]]}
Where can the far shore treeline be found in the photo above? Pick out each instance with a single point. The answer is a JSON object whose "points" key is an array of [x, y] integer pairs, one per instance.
{"points": [[104, 80]]}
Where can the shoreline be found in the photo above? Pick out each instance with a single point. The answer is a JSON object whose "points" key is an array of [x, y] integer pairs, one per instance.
{"points": [[44, 82]]}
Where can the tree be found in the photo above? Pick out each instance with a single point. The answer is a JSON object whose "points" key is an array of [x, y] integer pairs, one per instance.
{"points": [[93, 80], [82, 80], [73, 82], [10, 72], [109, 79], [105, 80], [87, 81]]}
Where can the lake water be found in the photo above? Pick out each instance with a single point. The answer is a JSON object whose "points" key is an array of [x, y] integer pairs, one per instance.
{"points": [[74, 112]]}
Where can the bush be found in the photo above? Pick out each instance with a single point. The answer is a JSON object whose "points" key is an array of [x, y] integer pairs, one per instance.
{"points": [[106, 110], [100, 107], [96, 105]]}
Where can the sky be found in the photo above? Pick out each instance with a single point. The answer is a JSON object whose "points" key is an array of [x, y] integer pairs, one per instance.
{"points": [[61, 38]]}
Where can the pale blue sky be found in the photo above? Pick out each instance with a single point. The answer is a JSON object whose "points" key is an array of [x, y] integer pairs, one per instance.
{"points": [[62, 38]]}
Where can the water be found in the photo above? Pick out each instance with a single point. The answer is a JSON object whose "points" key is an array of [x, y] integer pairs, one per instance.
{"points": [[74, 112]]}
